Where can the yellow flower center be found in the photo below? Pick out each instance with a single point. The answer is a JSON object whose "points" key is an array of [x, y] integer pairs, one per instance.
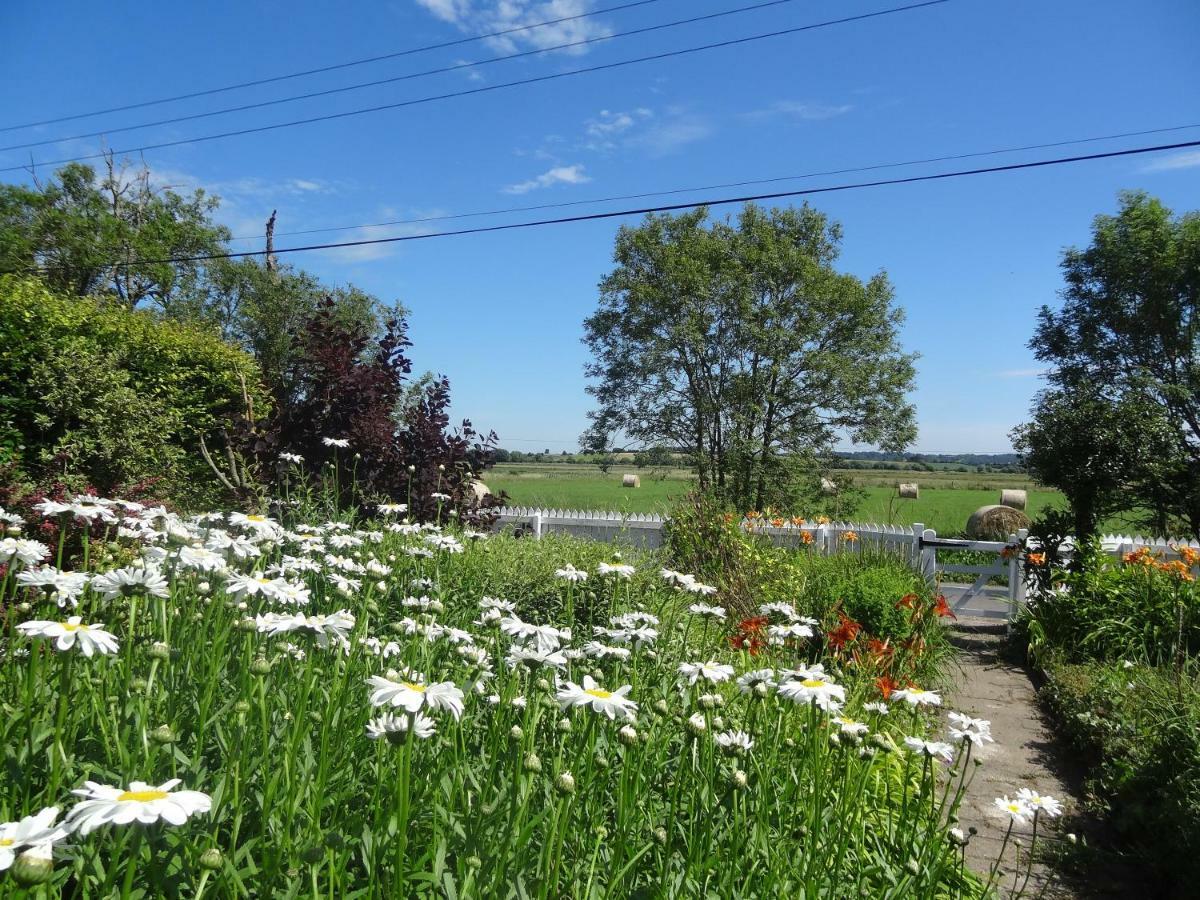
{"points": [[599, 693], [813, 683], [256, 518], [141, 796], [916, 692], [419, 688], [72, 626], [6, 842]]}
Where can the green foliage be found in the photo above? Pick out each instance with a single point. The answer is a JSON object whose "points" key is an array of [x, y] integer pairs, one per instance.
{"points": [[1122, 423], [869, 590], [1108, 611], [1137, 732], [91, 389], [741, 346]]}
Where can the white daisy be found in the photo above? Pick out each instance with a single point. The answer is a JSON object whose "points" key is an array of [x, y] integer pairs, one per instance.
{"points": [[748, 682], [707, 611], [1017, 810], [23, 551], [850, 727], [91, 639], [412, 694], [734, 741], [610, 703], [141, 802], [1040, 802], [915, 696], [335, 442], [936, 749], [710, 671], [393, 727], [813, 690], [37, 830], [131, 580], [570, 573], [965, 728], [619, 569]]}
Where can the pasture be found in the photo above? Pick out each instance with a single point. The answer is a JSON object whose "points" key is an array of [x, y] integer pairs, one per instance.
{"points": [[947, 498]]}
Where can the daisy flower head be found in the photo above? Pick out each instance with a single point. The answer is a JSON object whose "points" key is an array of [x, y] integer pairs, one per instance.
{"points": [[734, 742], [713, 672], [533, 658], [410, 693], [396, 729], [784, 610], [130, 581], [1041, 803], [142, 803], [849, 727], [37, 830], [90, 639], [614, 704], [294, 458], [915, 696], [1018, 811], [965, 728], [335, 442], [933, 749], [695, 587], [781, 634], [877, 707], [392, 509], [707, 611], [62, 587], [570, 573], [813, 689], [750, 680], [619, 569], [24, 551]]}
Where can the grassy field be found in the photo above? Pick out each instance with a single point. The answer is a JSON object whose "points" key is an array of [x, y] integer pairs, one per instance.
{"points": [[947, 498]]}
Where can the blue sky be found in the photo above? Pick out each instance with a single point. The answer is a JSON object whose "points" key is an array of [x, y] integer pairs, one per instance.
{"points": [[971, 259]]}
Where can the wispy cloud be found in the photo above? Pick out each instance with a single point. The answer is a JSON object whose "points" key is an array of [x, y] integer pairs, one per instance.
{"points": [[482, 16], [671, 132], [1188, 159], [795, 109], [558, 175], [1022, 373]]}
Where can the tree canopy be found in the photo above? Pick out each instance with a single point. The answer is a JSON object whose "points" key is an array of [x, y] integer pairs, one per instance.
{"points": [[740, 344], [1127, 337]]}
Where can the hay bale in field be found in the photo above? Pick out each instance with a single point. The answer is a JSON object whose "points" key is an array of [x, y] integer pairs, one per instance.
{"points": [[909, 490], [479, 489], [630, 480], [995, 523], [828, 486], [1014, 498]]}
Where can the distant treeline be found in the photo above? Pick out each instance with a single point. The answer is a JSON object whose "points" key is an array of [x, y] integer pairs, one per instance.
{"points": [[859, 459]]}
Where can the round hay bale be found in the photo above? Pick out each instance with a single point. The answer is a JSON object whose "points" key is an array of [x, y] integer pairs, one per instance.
{"points": [[479, 489], [909, 490], [828, 486], [995, 523], [630, 480], [1014, 498]]}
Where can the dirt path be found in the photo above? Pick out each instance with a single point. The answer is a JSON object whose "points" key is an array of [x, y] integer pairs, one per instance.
{"points": [[1024, 755]]}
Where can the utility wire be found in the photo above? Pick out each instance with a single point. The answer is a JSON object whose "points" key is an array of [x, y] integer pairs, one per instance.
{"points": [[728, 184], [457, 67], [485, 88], [591, 217], [330, 68]]}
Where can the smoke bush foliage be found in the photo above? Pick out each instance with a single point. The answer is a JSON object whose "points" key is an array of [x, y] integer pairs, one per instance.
{"points": [[357, 388]]}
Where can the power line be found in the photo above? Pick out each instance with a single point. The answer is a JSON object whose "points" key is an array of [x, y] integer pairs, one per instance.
{"points": [[330, 68], [724, 201], [486, 88], [728, 184], [457, 67]]}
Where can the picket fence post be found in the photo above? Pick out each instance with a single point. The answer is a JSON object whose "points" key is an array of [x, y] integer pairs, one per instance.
{"points": [[537, 525]]}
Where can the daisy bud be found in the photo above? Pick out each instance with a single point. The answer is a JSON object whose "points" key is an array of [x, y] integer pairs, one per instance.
{"points": [[437, 606], [600, 761], [914, 868], [260, 666], [660, 707], [660, 835], [565, 783], [137, 685], [739, 780], [564, 724], [212, 859], [650, 655], [834, 740], [441, 468], [247, 625], [32, 868], [412, 468], [627, 735], [24, 607], [160, 651], [761, 690], [866, 752], [516, 733], [474, 862], [1071, 837], [696, 724], [957, 837], [532, 763], [313, 855], [542, 684], [371, 606], [381, 586], [707, 701], [241, 707], [601, 832], [204, 587], [163, 735], [789, 742]]}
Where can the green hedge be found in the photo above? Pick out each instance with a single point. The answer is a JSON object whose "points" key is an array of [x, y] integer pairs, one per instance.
{"points": [[1136, 729], [95, 392]]}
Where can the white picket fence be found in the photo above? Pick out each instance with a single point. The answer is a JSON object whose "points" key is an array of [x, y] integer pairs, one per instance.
{"points": [[915, 543]]}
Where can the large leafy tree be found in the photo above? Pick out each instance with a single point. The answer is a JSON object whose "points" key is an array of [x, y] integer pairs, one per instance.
{"points": [[106, 234], [740, 344], [1128, 336]]}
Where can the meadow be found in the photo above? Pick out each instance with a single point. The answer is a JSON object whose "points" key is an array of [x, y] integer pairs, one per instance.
{"points": [[947, 498], [222, 705]]}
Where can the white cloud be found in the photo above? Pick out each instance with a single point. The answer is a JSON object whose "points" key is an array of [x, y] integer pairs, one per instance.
{"points": [[1022, 373], [1189, 159], [671, 132], [482, 17], [794, 109], [557, 175]]}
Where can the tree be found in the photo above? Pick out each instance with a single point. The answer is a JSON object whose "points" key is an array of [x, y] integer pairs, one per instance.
{"points": [[98, 235], [740, 345], [1128, 335]]}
